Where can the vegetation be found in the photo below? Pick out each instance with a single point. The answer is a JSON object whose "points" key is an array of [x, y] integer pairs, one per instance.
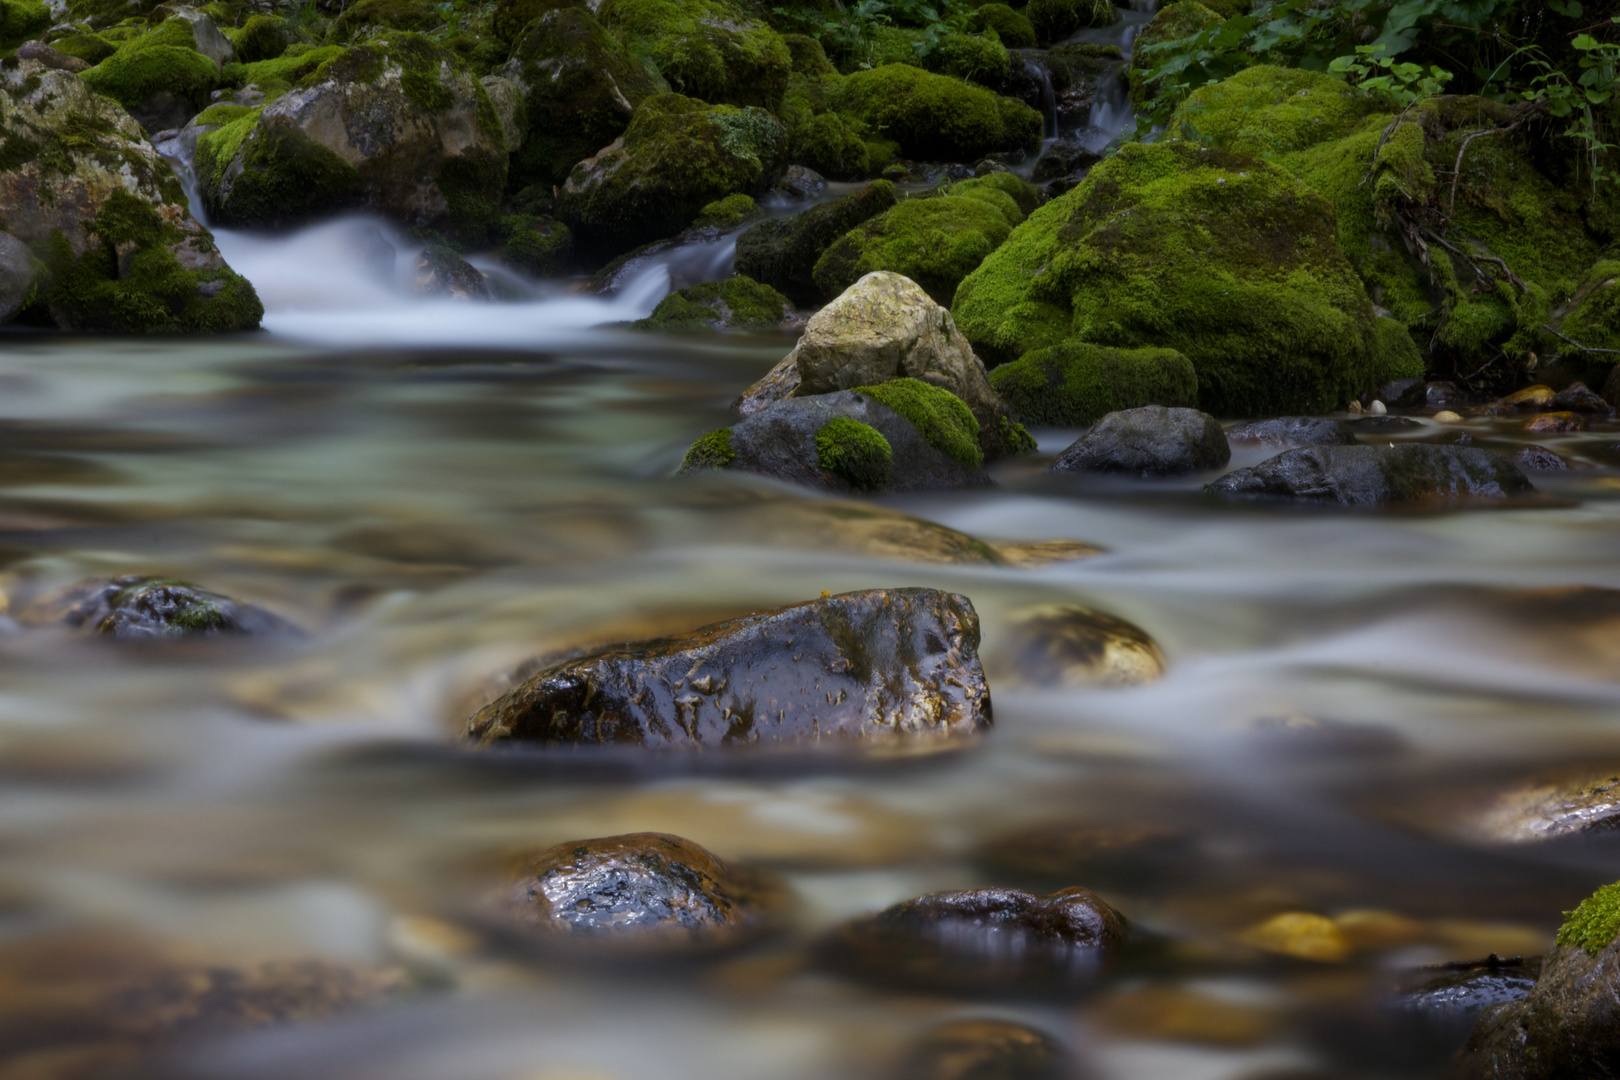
{"points": [[1076, 383], [856, 452], [711, 451], [944, 419], [1593, 925]]}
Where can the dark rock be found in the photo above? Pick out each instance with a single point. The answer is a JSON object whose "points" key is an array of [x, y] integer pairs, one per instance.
{"points": [[1072, 646], [1289, 431], [442, 272], [642, 892], [982, 941], [984, 1050], [1445, 395], [1455, 438], [1378, 425], [57, 61], [1150, 441], [882, 666], [1371, 475], [1578, 398], [1538, 459], [1065, 157], [1444, 1006], [16, 276], [1401, 393], [780, 441], [1555, 423], [144, 608], [801, 183], [781, 252], [163, 111]]}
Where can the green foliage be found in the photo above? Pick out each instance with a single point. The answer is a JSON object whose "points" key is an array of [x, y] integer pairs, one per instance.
{"points": [[856, 452], [1382, 77], [708, 49], [1592, 926], [944, 419], [712, 451], [1076, 383]]}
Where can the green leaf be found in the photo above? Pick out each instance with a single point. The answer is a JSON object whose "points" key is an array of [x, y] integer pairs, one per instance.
{"points": [[1584, 42]]}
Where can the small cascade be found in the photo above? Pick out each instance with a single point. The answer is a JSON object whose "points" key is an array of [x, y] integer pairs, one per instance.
{"points": [[1038, 72]]}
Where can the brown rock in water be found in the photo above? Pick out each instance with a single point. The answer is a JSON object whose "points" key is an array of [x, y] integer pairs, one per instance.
{"points": [[886, 666], [1536, 397], [981, 941], [984, 1050], [146, 608], [1546, 809], [1086, 852], [1578, 397], [1555, 422], [1071, 646], [649, 893]]}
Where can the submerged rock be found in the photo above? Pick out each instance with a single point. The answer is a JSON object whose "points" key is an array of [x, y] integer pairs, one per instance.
{"points": [[1000, 941], [1065, 852], [1076, 383], [440, 271], [1577, 397], [1379, 475], [1072, 646], [1444, 1007], [1291, 431], [650, 893], [145, 608], [1534, 458], [782, 251], [1149, 441], [984, 1050], [893, 667]]}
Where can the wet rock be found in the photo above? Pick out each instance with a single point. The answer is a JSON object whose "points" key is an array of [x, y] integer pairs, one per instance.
{"points": [[1183, 1015], [1291, 431], [1536, 397], [1568, 1025], [1382, 424], [982, 941], [440, 271], [120, 250], [1538, 459], [650, 893], [781, 252], [1064, 158], [1149, 441], [16, 276], [1553, 422], [984, 1050], [1072, 646], [1379, 475], [1401, 393], [511, 112], [738, 303], [1446, 416], [801, 183], [1444, 1006], [890, 667], [56, 61], [1301, 935], [397, 125], [1545, 809], [853, 441], [1445, 395], [1578, 398], [144, 608]]}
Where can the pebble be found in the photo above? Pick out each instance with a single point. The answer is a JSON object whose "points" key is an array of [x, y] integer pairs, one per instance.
{"points": [[1378, 408], [1299, 934], [1070, 646], [1446, 416]]}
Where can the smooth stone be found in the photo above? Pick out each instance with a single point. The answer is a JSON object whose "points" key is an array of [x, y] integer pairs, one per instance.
{"points": [[16, 276], [1376, 475], [146, 608], [651, 893], [1540, 810], [1290, 431], [1555, 422], [1446, 416], [57, 61], [1538, 459], [894, 668], [1150, 441], [1578, 397], [1183, 1015], [1536, 397], [1070, 646], [1301, 935], [800, 182], [984, 941], [1378, 423], [984, 1050], [441, 272], [1378, 408]]}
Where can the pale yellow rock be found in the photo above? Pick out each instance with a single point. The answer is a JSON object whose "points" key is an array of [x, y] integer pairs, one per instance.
{"points": [[1179, 1015], [1446, 416], [1299, 934], [1378, 408], [1370, 929], [1066, 645]]}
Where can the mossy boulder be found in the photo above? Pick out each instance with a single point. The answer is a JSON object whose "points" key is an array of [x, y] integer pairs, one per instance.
{"points": [[370, 17], [936, 117], [263, 37], [1054, 20], [1014, 30], [511, 17], [1221, 256], [1170, 23], [978, 58], [1268, 111], [677, 156], [139, 608], [399, 127], [728, 213], [708, 49], [580, 89], [738, 303], [782, 251], [277, 75], [543, 247], [161, 77], [91, 48], [807, 56], [1077, 383], [21, 20], [1593, 316], [935, 242], [105, 217]]}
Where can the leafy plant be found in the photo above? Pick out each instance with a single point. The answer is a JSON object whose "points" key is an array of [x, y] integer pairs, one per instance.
{"points": [[1402, 84]]}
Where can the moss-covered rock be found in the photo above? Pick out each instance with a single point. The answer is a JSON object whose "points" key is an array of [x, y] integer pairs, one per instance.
{"points": [[263, 37], [943, 418], [807, 55], [737, 303], [1593, 318], [1076, 383], [544, 248], [855, 451], [1221, 256], [935, 242], [160, 76], [91, 48], [1398, 355], [974, 57], [370, 17], [727, 213], [1054, 20], [105, 217], [511, 17], [138, 608], [783, 251], [711, 451], [397, 126], [1010, 26], [708, 49], [277, 75], [936, 117], [1268, 111], [580, 86], [21, 20], [1171, 23], [677, 156]]}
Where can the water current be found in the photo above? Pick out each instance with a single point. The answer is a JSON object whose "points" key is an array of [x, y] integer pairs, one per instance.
{"points": [[436, 491]]}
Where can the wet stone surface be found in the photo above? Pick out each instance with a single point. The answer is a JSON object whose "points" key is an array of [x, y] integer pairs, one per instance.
{"points": [[984, 1050], [1290, 431], [881, 666], [1149, 441], [148, 609], [1069, 646], [1372, 475]]}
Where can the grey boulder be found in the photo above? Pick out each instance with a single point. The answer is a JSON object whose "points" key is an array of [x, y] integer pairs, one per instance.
{"points": [[1374, 475], [1150, 441]]}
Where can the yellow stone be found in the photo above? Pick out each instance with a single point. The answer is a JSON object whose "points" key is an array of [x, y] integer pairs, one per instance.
{"points": [[1299, 934]]}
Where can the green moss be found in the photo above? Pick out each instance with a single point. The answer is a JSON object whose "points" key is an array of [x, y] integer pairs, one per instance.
{"points": [[935, 242], [22, 19], [738, 303], [1024, 195], [944, 419], [1173, 22], [783, 251], [512, 16], [727, 213], [368, 17], [973, 57], [1268, 111], [276, 76], [224, 114], [90, 48], [163, 59], [1054, 20], [712, 451], [856, 452], [263, 37], [1221, 256], [935, 117], [832, 146], [285, 175], [1398, 355], [1076, 383], [708, 49], [808, 57], [471, 183], [1015, 438], [542, 249], [1592, 926], [1594, 320], [1010, 26]]}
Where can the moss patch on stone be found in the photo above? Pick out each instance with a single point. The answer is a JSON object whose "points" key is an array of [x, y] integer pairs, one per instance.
{"points": [[91, 48], [708, 49], [1010, 26], [739, 303], [164, 59], [1267, 111], [1077, 383], [712, 451], [856, 452], [1398, 355], [544, 249], [943, 419], [368, 17], [1594, 320], [278, 75], [262, 37], [936, 117], [21, 20], [285, 176], [1054, 20], [1593, 925], [727, 213]]}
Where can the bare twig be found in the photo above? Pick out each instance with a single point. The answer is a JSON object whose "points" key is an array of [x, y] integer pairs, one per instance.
{"points": [[1475, 260], [1389, 130], [1456, 173], [1575, 343]]}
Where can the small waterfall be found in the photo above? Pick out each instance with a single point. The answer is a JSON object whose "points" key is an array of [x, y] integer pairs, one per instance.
{"points": [[1041, 75]]}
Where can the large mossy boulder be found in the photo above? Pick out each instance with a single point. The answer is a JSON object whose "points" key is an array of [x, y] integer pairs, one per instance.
{"points": [[935, 242], [1077, 383], [936, 117], [369, 18], [708, 49], [782, 251], [1054, 20], [1221, 256], [1173, 22], [165, 75], [677, 156], [104, 217], [397, 126], [580, 88]]}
